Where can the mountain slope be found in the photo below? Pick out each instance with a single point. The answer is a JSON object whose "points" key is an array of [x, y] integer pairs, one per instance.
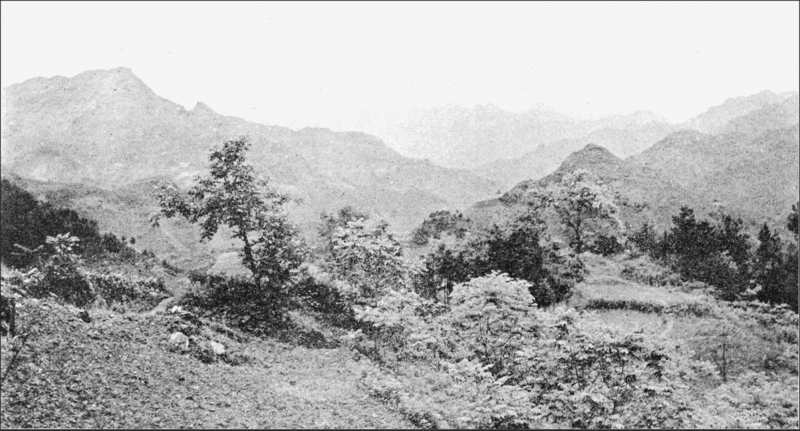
{"points": [[644, 195], [756, 173], [108, 129]]}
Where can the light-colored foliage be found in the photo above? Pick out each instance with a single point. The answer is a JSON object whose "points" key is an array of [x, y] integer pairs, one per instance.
{"points": [[582, 202]]}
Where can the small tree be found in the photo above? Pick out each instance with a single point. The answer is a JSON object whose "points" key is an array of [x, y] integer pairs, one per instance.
{"points": [[579, 198], [231, 195], [369, 261], [329, 223]]}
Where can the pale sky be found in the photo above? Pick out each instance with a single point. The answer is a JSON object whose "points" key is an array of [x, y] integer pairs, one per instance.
{"points": [[301, 64]]}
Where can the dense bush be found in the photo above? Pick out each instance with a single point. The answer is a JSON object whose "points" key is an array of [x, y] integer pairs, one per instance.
{"points": [[117, 289], [61, 275], [606, 245], [239, 302]]}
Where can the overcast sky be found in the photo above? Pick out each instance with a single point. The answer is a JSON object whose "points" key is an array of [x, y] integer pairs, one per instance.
{"points": [[317, 64]]}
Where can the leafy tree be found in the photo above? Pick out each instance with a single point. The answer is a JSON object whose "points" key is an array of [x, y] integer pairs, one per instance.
{"points": [[232, 196], [491, 317], [580, 199], [369, 261], [332, 221]]}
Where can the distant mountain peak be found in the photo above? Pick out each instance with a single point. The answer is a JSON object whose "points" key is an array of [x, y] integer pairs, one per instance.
{"points": [[595, 150], [588, 157], [201, 107]]}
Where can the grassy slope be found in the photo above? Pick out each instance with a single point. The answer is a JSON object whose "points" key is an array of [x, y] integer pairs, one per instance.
{"points": [[118, 371], [604, 286]]}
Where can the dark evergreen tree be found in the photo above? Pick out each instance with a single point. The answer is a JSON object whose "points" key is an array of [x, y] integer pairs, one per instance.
{"points": [[768, 265]]}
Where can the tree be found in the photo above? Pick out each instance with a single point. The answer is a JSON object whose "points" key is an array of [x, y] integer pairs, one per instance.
{"points": [[732, 238], [329, 224], [791, 262], [232, 196], [579, 198], [768, 265]]}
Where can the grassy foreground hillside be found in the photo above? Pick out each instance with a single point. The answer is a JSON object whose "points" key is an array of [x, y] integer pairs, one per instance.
{"points": [[120, 371], [110, 370]]}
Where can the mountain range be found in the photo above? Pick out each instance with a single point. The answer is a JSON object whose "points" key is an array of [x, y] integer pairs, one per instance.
{"points": [[509, 147], [104, 131], [107, 128], [750, 169]]}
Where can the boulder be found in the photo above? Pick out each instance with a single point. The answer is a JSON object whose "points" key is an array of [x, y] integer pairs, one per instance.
{"points": [[217, 348], [178, 339]]}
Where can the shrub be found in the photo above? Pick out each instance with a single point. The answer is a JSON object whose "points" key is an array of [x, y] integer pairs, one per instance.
{"points": [[490, 320], [439, 223], [606, 245], [61, 275], [117, 289], [239, 302]]}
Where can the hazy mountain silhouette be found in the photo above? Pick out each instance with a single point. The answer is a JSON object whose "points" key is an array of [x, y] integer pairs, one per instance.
{"points": [[459, 137], [716, 118], [626, 139]]}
